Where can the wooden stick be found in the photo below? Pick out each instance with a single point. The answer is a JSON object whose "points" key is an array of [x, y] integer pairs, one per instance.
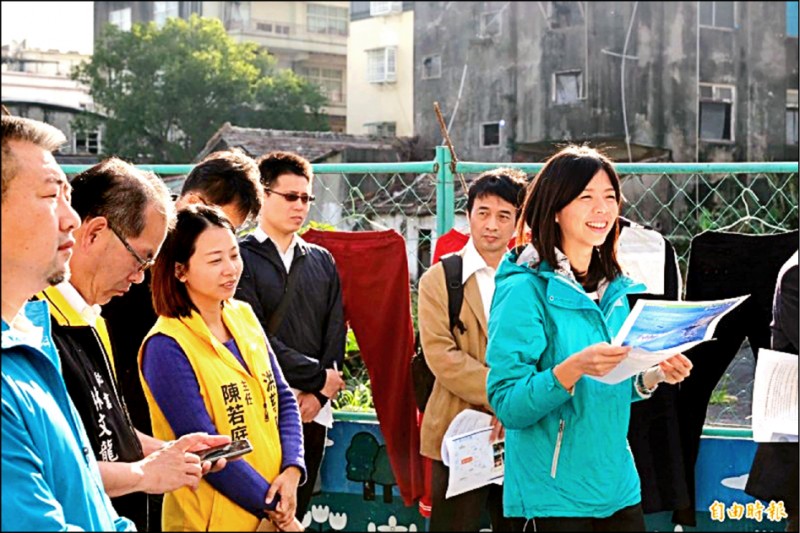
{"points": [[449, 143]]}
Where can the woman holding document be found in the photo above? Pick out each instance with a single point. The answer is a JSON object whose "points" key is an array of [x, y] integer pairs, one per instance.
{"points": [[559, 301]]}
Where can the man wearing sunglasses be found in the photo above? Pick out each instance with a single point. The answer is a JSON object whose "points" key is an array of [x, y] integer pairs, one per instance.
{"points": [[125, 214], [294, 289]]}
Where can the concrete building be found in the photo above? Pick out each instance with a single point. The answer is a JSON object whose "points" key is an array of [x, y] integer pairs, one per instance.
{"points": [[308, 37], [36, 84], [681, 81], [380, 69]]}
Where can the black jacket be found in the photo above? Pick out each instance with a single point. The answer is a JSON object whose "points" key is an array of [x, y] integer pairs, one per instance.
{"points": [[311, 336], [774, 474], [94, 391]]}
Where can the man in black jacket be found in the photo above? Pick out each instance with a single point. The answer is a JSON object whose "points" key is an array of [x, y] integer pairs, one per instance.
{"points": [[294, 289]]}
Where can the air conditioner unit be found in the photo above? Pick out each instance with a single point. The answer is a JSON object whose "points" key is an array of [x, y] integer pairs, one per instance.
{"points": [[377, 9]]}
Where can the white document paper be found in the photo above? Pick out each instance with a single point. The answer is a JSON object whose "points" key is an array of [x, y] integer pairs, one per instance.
{"points": [[325, 415], [660, 329], [473, 459], [775, 397]]}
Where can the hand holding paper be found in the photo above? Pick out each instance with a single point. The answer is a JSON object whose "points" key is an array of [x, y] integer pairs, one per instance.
{"points": [[657, 330]]}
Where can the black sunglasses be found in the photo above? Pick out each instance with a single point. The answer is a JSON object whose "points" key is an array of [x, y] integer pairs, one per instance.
{"points": [[293, 197]]}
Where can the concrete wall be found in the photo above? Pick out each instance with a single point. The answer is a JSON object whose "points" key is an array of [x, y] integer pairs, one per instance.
{"points": [[511, 76], [381, 102]]}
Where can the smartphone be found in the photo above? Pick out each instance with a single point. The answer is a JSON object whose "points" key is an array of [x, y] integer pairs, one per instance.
{"points": [[227, 451]]}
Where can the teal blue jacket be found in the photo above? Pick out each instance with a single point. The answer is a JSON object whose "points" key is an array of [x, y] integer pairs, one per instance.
{"points": [[51, 481], [566, 455]]}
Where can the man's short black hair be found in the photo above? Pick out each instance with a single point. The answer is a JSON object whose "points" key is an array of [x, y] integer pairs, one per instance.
{"points": [[274, 164], [226, 177], [505, 183]]}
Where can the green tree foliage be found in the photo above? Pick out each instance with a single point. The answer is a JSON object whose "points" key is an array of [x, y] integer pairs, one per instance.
{"points": [[166, 91]]}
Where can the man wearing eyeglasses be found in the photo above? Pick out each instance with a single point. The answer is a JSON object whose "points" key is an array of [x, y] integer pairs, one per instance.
{"points": [[125, 214], [294, 289]]}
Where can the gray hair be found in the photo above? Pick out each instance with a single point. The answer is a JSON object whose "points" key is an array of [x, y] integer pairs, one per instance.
{"points": [[121, 193], [42, 135]]}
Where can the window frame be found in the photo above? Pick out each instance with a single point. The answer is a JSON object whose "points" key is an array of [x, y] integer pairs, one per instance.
{"points": [[554, 95], [388, 77], [320, 79], [378, 126], [391, 8], [116, 13], [497, 15], [714, 18], [169, 7], [87, 142], [715, 98], [329, 18], [439, 72], [483, 125], [792, 106]]}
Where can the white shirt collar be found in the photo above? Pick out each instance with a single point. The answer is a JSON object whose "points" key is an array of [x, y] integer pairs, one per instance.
{"points": [[89, 312], [472, 262], [262, 236]]}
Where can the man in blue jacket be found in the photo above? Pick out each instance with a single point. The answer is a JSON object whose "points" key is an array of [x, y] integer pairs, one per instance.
{"points": [[50, 478]]}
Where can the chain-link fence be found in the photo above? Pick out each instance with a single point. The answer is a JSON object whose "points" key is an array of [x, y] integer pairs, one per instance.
{"points": [[424, 200]]}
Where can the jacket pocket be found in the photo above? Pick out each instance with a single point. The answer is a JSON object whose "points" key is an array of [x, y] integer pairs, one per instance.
{"points": [[557, 450]]}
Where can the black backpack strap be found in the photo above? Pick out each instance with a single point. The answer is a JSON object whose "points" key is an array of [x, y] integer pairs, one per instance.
{"points": [[455, 290]]}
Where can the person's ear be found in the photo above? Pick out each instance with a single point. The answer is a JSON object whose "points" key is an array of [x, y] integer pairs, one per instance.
{"points": [[180, 272], [91, 230]]}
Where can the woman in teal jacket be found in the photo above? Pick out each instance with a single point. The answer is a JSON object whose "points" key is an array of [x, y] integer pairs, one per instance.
{"points": [[558, 303]]}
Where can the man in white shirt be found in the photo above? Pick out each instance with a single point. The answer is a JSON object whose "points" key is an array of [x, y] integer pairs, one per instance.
{"points": [[295, 291], [457, 357], [125, 214]]}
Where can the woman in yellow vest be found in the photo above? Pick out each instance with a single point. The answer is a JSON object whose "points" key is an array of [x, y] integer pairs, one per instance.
{"points": [[207, 366]]}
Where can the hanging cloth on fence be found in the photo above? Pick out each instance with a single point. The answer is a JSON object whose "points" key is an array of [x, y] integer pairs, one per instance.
{"points": [[725, 265], [373, 268], [653, 432]]}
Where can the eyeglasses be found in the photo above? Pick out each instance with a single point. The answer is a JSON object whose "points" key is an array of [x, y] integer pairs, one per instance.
{"points": [[144, 264], [293, 197]]}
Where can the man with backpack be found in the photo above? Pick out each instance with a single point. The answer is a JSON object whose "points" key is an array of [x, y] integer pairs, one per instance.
{"points": [[454, 343]]}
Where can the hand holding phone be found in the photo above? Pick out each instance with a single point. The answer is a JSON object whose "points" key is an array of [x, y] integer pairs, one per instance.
{"points": [[227, 451]]}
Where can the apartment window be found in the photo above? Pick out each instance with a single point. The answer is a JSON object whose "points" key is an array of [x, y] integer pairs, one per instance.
{"points": [[432, 67], [329, 20], [490, 134], [717, 14], [121, 18], [164, 10], [490, 24], [791, 19], [567, 87], [377, 9], [84, 142], [564, 14], [329, 80], [382, 65], [791, 117], [716, 112], [381, 129]]}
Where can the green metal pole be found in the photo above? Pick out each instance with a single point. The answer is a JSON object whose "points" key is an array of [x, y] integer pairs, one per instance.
{"points": [[445, 193]]}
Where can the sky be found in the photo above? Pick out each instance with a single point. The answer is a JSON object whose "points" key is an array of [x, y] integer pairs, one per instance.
{"points": [[65, 26]]}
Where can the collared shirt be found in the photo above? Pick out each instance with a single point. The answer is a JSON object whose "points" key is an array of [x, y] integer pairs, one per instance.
{"points": [[89, 312], [473, 263], [288, 256]]}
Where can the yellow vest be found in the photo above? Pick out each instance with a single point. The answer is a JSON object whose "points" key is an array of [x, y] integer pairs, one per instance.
{"points": [[66, 315], [240, 404]]}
